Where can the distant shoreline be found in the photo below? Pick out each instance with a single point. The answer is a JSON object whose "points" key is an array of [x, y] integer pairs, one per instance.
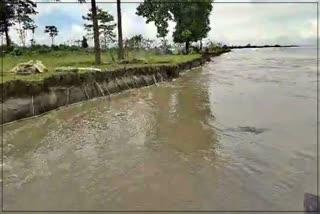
{"points": [[263, 46]]}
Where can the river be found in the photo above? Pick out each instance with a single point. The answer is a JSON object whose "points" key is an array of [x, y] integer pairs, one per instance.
{"points": [[237, 134]]}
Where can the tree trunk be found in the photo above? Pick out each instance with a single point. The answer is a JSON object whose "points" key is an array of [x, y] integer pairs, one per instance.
{"points": [[200, 45], [120, 41], [25, 37], [6, 31], [32, 43], [187, 46], [97, 50], [21, 32], [52, 41], [105, 41]]}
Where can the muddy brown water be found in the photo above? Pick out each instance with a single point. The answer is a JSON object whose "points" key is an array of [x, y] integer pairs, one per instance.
{"points": [[237, 134]]}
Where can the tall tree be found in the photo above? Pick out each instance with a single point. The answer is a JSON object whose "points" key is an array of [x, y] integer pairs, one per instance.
{"points": [[120, 40], [192, 22], [96, 41], [6, 19], [135, 42], [97, 50], [15, 11], [52, 31], [191, 18], [106, 28], [32, 27], [109, 36], [147, 43], [157, 12], [24, 27]]}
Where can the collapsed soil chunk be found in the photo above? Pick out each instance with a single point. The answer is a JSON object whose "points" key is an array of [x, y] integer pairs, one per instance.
{"points": [[30, 67]]}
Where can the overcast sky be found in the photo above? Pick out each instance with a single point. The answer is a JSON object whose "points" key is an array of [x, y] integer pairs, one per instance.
{"points": [[231, 23]]}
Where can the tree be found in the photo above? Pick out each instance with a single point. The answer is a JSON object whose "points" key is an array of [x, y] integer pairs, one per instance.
{"points": [[120, 40], [6, 19], [165, 46], [52, 31], [106, 29], [77, 43], [191, 18], [32, 42], [109, 36], [32, 27], [24, 22], [192, 22], [135, 42], [15, 11], [157, 12], [97, 50], [147, 43]]}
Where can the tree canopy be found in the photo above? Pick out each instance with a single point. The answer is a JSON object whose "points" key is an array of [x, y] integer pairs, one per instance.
{"points": [[191, 18], [95, 30], [15, 11], [135, 42], [104, 19], [52, 31], [105, 25], [158, 12]]}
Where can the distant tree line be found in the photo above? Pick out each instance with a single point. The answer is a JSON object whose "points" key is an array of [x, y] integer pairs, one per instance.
{"points": [[258, 46], [191, 19]]}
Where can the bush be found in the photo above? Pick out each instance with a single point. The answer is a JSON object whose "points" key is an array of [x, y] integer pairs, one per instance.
{"points": [[55, 47], [6, 49], [74, 48], [17, 51], [195, 49], [43, 50]]}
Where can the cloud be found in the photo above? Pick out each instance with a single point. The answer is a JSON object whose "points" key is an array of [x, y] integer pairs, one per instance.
{"points": [[262, 23], [231, 23]]}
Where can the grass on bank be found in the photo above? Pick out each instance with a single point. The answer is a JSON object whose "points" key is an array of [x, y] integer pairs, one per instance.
{"points": [[56, 59]]}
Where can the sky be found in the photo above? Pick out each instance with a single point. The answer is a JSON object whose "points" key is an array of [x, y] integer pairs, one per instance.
{"points": [[231, 23]]}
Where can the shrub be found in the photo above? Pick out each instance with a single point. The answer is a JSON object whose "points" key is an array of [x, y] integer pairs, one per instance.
{"points": [[43, 50], [17, 51]]}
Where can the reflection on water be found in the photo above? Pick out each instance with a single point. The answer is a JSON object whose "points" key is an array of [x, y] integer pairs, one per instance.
{"points": [[238, 134]]}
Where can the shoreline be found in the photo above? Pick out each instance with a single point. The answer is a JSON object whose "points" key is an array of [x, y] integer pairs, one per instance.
{"points": [[24, 99]]}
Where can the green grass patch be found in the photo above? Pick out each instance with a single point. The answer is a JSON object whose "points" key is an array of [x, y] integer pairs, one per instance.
{"points": [[56, 59]]}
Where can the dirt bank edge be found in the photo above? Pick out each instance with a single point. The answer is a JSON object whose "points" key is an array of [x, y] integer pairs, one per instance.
{"points": [[23, 99]]}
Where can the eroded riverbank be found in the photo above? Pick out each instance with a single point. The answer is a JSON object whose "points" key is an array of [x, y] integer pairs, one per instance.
{"points": [[22, 99]]}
